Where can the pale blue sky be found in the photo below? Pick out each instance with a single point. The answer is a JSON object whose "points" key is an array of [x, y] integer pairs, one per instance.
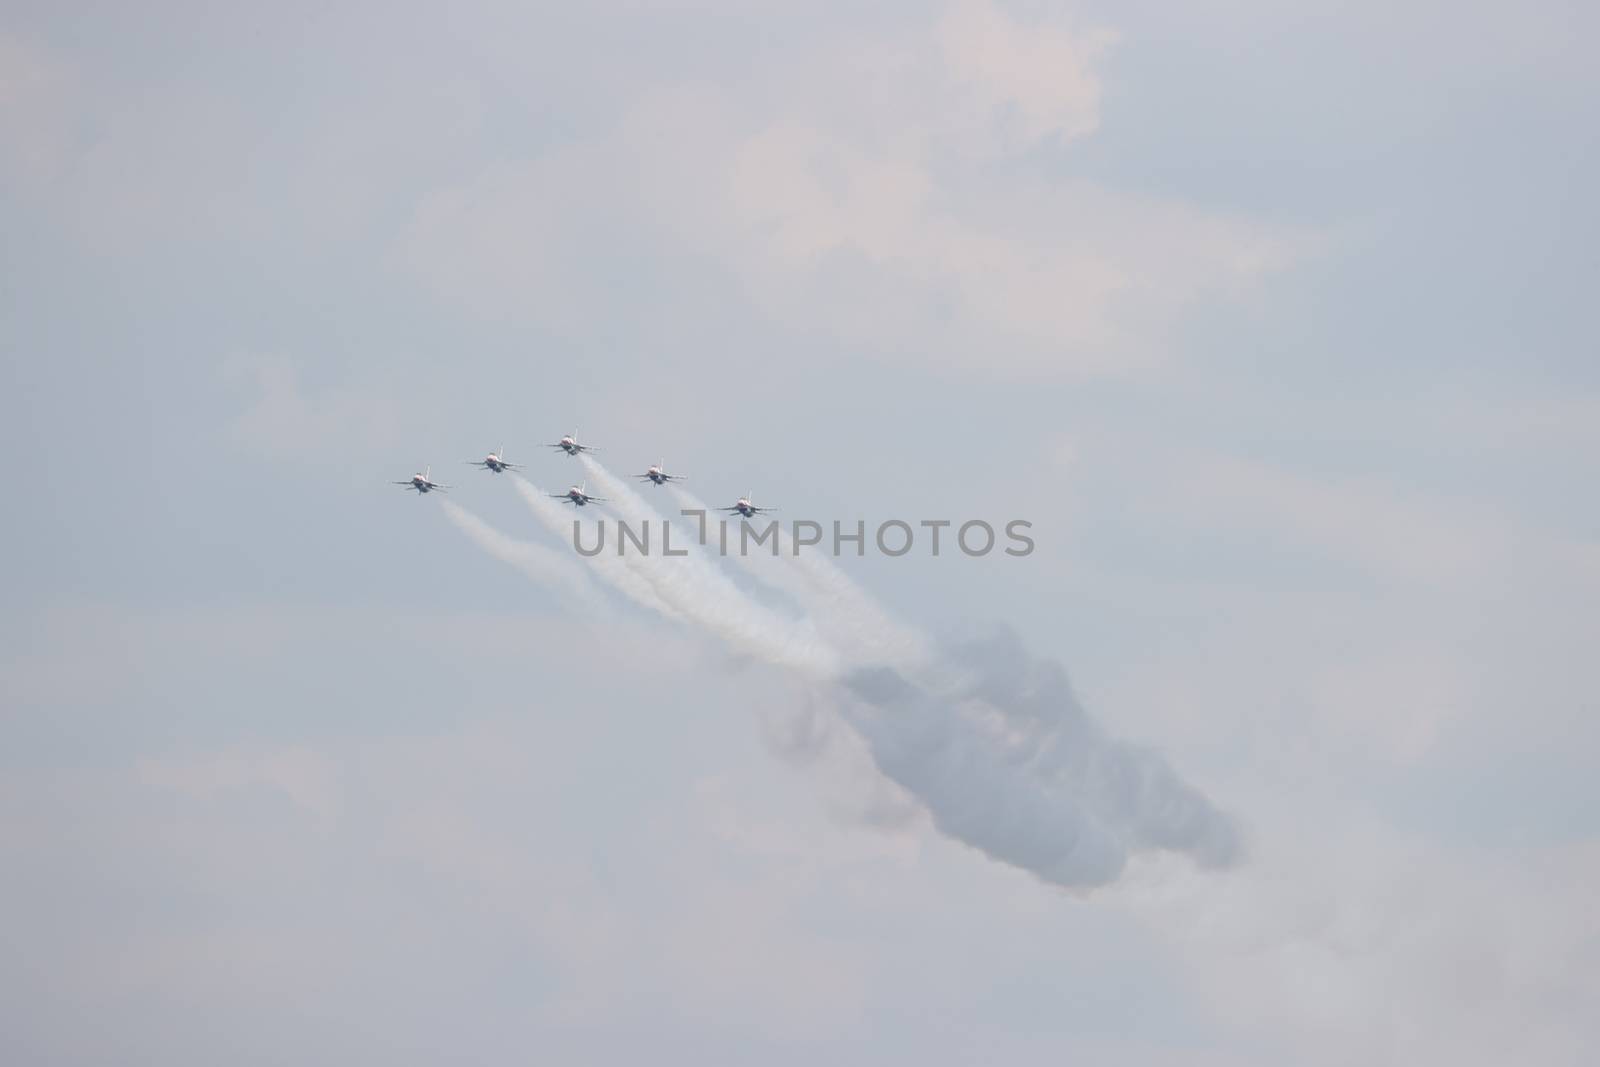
{"points": [[1273, 323]]}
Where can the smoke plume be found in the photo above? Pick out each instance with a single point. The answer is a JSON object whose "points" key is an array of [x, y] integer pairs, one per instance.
{"points": [[544, 565], [989, 739]]}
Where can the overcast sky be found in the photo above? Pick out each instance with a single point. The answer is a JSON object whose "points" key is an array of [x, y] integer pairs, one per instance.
{"points": [[1276, 321]]}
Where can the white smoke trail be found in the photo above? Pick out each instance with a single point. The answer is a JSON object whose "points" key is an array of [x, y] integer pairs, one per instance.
{"points": [[759, 562], [543, 565], [693, 585], [990, 741], [994, 692], [845, 614], [621, 577]]}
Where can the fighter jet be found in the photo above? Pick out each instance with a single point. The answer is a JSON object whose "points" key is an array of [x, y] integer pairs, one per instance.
{"points": [[569, 444], [495, 461], [423, 483], [746, 508], [658, 474], [578, 495]]}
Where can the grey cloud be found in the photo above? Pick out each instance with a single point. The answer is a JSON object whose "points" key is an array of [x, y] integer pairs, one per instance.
{"points": [[1008, 761]]}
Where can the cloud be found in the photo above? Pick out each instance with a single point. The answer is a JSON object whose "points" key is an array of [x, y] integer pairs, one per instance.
{"points": [[38, 106], [1034, 81], [890, 194], [286, 420], [549, 567], [517, 241], [304, 775], [1358, 943]]}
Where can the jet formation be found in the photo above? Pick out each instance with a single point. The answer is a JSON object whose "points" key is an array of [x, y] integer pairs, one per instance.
{"points": [[578, 495]]}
